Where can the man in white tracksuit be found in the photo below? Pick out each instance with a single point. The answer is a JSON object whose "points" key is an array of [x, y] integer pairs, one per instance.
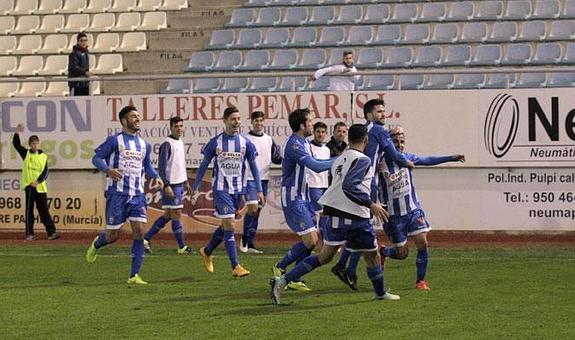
{"points": [[341, 75]]}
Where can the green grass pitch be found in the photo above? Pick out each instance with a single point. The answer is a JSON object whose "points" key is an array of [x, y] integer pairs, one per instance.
{"points": [[50, 292]]}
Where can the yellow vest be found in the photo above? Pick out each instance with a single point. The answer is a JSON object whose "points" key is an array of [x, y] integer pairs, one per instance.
{"points": [[34, 164]]}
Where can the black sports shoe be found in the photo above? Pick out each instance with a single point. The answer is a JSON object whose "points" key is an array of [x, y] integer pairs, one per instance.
{"points": [[340, 273], [351, 280]]}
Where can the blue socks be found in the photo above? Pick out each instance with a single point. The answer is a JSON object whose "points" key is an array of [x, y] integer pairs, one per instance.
{"points": [[342, 263], [421, 262], [156, 227], [230, 243], [101, 241], [353, 262], [375, 274], [178, 231], [305, 266], [250, 229], [137, 256], [390, 252], [217, 238], [295, 252]]}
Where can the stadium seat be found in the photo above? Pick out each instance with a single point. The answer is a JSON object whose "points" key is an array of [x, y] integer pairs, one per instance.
{"points": [[499, 80], [474, 32], [295, 16], [234, 85], [153, 21], [568, 9], [546, 9], [6, 7], [31, 89], [322, 84], [133, 42], [106, 42], [460, 11], [8, 64], [284, 60], [331, 36], [95, 87], [518, 10], [206, 85], [178, 86], [72, 41], [55, 44], [456, 55], [242, 17], [379, 82], [530, 80], [201, 61], [547, 53], [256, 3], [349, 14], [445, 33], [562, 30], [228, 61], [376, 14], [8, 89], [52, 24], [127, 22], [569, 57], [411, 81], [562, 79], [55, 65], [486, 55], [439, 81], [24, 7], [49, 7], [148, 5], [98, 6], [290, 84], [336, 56], [28, 44], [312, 59], [109, 64], [248, 38], [74, 6], [174, 5], [404, 12], [283, 2], [222, 39], [255, 60], [469, 81], [77, 23], [270, 16], [517, 54], [29, 65], [505, 31], [309, 2], [102, 22], [432, 12], [303, 37], [388, 35], [427, 56], [27, 24], [92, 60], [359, 35], [56, 89], [263, 84], [7, 24], [532, 31], [370, 57], [8, 44], [398, 57], [489, 10], [416, 34], [276, 38], [124, 5], [322, 15]]}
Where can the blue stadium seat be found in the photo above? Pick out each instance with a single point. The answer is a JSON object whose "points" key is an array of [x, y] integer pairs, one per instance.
{"points": [[505, 31], [517, 54], [303, 37], [248, 38], [569, 57], [359, 35], [460, 11], [222, 39], [349, 14], [228, 61], [474, 32], [371, 57], [439, 81], [416, 34], [331, 36], [321, 84], [295, 16], [518, 10], [290, 84], [256, 3], [445, 33], [234, 85], [456, 55], [562, 30], [547, 53], [284, 60], [499, 80], [276, 38], [486, 55], [242, 17], [283, 2], [399, 57], [489, 10], [206, 85], [376, 14], [404, 12], [562, 79], [178, 86], [427, 56], [379, 82], [530, 80], [322, 15], [568, 10], [255, 60], [336, 56], [432, 12], [532, 31], [201, 61], [263, 84], [269, 16], [546, 9], [411, 81], [312, 59], [388, 35], [469, 81]]}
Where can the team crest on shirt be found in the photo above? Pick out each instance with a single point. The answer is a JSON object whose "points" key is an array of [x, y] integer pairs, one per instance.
{"points": [[226, 209], [295, 146], [421, 220], [218, 150]]}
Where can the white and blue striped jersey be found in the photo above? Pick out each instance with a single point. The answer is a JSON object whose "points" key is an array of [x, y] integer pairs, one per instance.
{"points": [[130, 154], [230, 166], [294, 181]]}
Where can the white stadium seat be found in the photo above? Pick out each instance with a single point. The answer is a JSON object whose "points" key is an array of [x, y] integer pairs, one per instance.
{"points": [[8, 44], [8, 65], [49, 7], [28, 44], [133, 42], [55, 65], [24, 7], [55, 44], [57, 89], [98, 6], [27, 24], [106, 42], [8, 89], [109, 64], [124, 5], [31, 89], [52, 24], [77, 23], [7, 24], [153, 21], [102, 22], [29, 65], [74, 6], [127, 22]]}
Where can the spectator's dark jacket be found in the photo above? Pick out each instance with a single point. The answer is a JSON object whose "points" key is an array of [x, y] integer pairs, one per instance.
{"points": [[335, 149], [78, 65]]}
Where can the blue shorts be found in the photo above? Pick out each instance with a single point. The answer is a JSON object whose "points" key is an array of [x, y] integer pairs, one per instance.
{"points": [[120, 208], [314, 196], [227, 204], [300, 216], [252, 191], [355, 235], [400, 227], [176, 201]]}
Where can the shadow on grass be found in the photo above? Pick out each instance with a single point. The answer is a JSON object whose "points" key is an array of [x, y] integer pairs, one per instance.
{"points": [[262, 309]]}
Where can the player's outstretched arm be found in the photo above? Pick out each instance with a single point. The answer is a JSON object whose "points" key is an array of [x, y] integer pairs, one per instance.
{"points": [[22, 151], [435, 160]]}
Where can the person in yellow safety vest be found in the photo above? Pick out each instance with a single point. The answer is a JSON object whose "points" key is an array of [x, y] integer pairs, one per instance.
{"points": [[33, 182]]}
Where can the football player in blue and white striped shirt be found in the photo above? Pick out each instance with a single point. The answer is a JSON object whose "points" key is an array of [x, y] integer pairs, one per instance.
{"points": [[125, 158], [172, 169], [233, 154], [406, 216]]}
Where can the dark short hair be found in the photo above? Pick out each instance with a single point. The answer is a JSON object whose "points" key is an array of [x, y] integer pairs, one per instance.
{"points": [[346, 52], [80, 36], [319, 125], [357, 132], [125, 110], [33, 138], [257, 114], [370, 105], [175, 120], [297, 118], [229, 110], [338, 124]]}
